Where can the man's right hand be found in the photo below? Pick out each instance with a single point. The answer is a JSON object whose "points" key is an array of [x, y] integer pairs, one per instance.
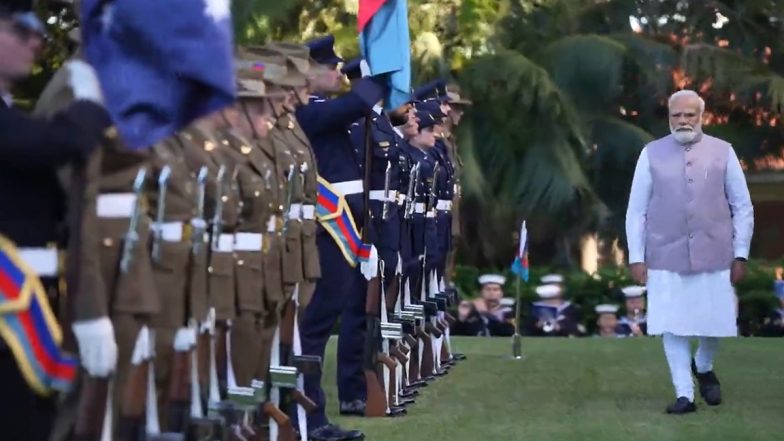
{"points": [[639, 273]]}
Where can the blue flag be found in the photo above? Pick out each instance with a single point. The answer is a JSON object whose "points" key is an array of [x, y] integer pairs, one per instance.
{"points": [[385, 44], [161, 64], [520, 263]]}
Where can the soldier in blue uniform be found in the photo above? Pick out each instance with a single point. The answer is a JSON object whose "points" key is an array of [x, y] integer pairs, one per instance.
{"points": [[341, 290], [34, 206], [385, 222]]}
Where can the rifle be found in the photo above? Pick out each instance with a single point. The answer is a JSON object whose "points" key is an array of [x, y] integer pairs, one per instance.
{"points": [[281, 377], [413, 181], [376, 403], [303, 363], [198, 224], [131, 425]]}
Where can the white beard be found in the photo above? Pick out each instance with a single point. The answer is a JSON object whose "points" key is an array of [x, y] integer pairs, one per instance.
{"points": [[686, 136]]}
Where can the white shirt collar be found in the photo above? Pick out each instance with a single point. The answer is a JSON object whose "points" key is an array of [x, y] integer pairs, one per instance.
{"points": [[378, 109], [398, 131], [8, 99]]}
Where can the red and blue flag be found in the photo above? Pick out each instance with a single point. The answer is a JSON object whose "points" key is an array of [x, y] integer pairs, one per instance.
{"points": [[520, 264]]}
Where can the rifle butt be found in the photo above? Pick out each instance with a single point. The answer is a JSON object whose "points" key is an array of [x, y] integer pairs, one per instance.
{"points": [[301, 399], [376, 404], [91, 409]]}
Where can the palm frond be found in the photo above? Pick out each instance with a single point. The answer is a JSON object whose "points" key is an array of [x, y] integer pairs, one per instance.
{"points": [[733, 72], [587, 67]]}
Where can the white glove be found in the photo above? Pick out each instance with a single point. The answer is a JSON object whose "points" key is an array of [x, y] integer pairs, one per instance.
{"points": [[145, 346], [97, 347], [184, 339], [84, 82], [364, 69], [370, 268]]}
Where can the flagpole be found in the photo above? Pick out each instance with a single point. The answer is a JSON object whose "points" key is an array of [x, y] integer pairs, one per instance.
{"points": [[517, 351]]}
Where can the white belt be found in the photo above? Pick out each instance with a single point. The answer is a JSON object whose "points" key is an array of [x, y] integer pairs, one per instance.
{"points": [[115, 205], [272, 224], [378, 195], [44, 261], [431, 214], [444, 205], [346, 188], [309, 212], [247, 242], [170, 231], [401, 198], [225, 243], [419, 207], [294, 211]]}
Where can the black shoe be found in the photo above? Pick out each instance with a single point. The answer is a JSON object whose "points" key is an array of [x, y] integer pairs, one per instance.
{"points": [[396, 411], [441, 372], [408, 393], [458, 356], [710, 388], [681, 405], [355, 407], [331, 432], [405, 401]]}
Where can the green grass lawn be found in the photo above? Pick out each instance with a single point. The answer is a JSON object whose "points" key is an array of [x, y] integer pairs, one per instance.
{"points": [[583, 389]]}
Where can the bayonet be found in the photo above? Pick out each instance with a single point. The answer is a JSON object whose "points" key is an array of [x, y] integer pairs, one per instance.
{"points": [[132, 235], [198, 223], [413, 181], [387, 177], [163, 184], [433, 189], [217, 220], [289, 196]]}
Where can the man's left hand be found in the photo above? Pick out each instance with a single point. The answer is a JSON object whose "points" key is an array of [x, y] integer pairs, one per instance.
{"points": [[738, 271]]}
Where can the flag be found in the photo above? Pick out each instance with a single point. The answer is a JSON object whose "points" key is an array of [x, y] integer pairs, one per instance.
{"points": [[520, 264], [385, 45], [161, 64], [29, 327]]}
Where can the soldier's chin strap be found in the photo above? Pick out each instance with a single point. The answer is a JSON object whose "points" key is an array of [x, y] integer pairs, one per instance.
{"points": [[250, 121]]}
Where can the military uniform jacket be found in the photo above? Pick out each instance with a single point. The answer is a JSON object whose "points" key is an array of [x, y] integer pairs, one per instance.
{"points": [[202, 148], [172, 254], [326, 122], [286, 160], [273, 253], [254, 176], [303, 152]]}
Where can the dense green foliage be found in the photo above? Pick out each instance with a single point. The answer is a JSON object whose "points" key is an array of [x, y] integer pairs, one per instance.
{"points": [[566, 93]]}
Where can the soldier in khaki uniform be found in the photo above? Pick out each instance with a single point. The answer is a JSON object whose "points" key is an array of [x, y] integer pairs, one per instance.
{"points": [[202, 148], [179, 263], [300, 147], [254, 176]]}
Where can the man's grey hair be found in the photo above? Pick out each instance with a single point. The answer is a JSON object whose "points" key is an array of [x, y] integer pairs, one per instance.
{"points": [[687, 93]]}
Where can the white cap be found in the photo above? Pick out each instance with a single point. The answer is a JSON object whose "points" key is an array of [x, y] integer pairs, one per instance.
{"points": [[633, 291], [606, 309], [492, 278], [552, 278], [548, 291]]}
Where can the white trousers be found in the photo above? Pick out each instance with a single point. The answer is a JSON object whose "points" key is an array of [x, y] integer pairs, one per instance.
{"points": [[678, 353]]}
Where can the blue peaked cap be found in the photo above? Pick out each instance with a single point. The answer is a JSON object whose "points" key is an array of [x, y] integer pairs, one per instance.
{"points": [[322, 50], [431, 107], [434, 90]]}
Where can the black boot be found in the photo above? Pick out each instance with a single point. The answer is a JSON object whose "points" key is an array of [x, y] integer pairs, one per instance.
{"points": [[331, 432], [710, 388], [681, 405]]}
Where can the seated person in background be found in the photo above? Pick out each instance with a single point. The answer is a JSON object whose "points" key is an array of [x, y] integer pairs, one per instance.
{"points": [[634, 324], [469, 321], [607, 322], [553, 316], [490, 308], [773, 326]]}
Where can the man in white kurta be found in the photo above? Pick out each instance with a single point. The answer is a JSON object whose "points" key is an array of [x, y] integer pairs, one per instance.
{"points": [[689, 225]]}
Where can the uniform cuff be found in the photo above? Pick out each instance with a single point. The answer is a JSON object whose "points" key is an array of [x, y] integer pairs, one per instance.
{"points": [[742, 252], [369, 90]]}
